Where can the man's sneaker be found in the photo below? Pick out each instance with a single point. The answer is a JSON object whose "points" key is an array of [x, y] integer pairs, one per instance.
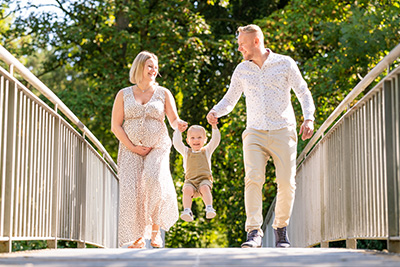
{"points": [[210, 212], [187, 215], [254, 239], [281, 238]]}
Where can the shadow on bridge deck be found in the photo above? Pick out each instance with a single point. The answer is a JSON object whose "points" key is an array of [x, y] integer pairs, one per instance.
{"points": [[201, 257]]}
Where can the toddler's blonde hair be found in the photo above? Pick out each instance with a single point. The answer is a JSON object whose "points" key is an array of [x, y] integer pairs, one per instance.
{"points": [[197, 128]]}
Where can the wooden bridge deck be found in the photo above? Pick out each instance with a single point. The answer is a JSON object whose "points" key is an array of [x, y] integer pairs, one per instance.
{"points": [[201, 257]]}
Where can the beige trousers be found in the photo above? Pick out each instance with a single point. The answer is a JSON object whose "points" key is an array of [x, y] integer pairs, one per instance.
{"points": [[258, 146]]}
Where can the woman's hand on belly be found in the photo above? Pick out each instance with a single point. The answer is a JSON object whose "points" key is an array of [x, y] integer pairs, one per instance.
{"points": [[141, 150]]}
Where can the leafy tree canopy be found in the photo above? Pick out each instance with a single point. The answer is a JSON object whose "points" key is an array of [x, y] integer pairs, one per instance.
{"points": [[335, 43], [84, 52]]}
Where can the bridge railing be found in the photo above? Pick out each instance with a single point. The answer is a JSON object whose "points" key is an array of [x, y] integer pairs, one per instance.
{"points": [[54, 185], [348, 176]]}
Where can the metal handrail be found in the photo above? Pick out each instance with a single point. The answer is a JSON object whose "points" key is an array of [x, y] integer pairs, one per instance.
{"points": [[366, 81], [42, 88]]}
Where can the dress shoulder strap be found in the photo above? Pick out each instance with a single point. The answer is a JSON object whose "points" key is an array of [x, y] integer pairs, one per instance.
{"points": [[127, 92], [160, 91]]}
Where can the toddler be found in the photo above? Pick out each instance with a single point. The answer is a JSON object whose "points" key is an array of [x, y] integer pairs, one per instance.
{"points": [[197, 166]]}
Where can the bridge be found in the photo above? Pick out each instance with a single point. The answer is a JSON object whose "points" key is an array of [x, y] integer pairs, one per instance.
{"points": [[59, 183]]}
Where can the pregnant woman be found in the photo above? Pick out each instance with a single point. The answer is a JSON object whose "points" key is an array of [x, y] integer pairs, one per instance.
{"points": [[148, 199]]}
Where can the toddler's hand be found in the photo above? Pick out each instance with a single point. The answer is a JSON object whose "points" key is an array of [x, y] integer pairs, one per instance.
{"points": [[212, 117], [182, 125]]}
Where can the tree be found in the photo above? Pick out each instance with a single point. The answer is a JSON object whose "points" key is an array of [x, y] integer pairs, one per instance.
{"points": [[84, 55], [93, 44], [8, 38], [335, 43]]}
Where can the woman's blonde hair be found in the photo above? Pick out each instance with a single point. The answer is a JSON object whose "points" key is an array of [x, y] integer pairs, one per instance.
{"points": [[136, 72]]}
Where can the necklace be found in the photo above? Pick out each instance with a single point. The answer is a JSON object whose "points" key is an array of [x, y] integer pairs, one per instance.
{"points": [[144, 89]]}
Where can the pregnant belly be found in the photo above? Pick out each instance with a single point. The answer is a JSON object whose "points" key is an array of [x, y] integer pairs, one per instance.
{"points": [[150, 133]]}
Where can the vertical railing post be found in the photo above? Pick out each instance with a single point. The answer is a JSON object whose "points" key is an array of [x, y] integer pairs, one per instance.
{"points": [[396, 110], [324, 243], [9, 166], [83, 180], [2, 154], [351, 242], [105, 207], [391, 173], [11, 70], [56, 179]]}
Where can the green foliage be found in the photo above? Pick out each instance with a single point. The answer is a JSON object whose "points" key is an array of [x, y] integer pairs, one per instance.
{"points": [[224, 16], [41, 244], [31, 245], [362, 244], [372, 244], [89, 58], [338, 244], [84, 54], [334, 42]]}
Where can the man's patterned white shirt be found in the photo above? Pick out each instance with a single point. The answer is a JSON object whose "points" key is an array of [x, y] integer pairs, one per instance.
{"points": [[267, 92]]}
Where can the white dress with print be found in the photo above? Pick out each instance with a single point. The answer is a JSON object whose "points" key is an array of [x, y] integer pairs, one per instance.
{"points": [[147, 193]]}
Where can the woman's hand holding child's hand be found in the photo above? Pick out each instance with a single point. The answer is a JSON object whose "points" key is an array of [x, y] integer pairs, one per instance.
{"points": [[182, 125]]}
